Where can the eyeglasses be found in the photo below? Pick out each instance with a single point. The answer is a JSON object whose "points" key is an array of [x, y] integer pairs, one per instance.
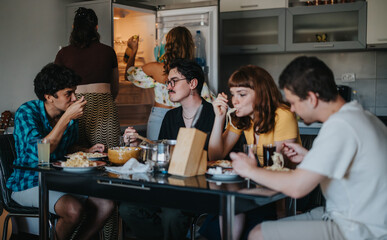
{"points": [[173, 81]]}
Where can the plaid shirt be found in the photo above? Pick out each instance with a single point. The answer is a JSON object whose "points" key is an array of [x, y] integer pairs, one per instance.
{"points": [[31, 123]]}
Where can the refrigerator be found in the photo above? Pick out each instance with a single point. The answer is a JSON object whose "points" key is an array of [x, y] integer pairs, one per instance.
{"points": [[152, 27], [118, 20]]}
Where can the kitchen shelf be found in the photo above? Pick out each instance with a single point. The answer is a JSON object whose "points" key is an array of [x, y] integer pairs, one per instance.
{"points": [[344, 26], [253, 31]]}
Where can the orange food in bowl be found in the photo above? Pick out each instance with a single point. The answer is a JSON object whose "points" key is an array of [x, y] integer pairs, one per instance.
{"points": [[120, 155]]}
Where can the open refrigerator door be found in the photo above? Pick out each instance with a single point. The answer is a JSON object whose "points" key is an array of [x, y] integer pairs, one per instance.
{"points": [[199, 19]]}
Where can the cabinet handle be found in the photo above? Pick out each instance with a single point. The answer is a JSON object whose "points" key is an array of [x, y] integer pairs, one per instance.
{"points": [[249, 49], [324, 45], [382, 39], [249, 6]]}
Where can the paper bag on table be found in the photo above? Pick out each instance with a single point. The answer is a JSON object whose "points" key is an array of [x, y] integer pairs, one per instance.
{"points": [[188, 152]]}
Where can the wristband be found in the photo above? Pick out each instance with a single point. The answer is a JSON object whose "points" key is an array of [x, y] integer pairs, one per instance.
{"points": [[126, 57]]}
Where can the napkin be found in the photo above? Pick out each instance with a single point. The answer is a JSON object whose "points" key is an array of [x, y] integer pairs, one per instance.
{"points": [[131, 166]]}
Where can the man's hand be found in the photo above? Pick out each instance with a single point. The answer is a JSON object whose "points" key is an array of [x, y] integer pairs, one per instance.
{"points": [[96, 148], [130, 136], [242, 163], [75, 110], [294, 151]]}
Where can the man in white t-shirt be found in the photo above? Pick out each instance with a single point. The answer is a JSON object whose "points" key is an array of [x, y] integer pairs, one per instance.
{"points": [[348, 159]]}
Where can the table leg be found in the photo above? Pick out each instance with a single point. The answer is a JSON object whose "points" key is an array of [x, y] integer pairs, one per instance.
{"points": [[228, 212], [43, 208]]}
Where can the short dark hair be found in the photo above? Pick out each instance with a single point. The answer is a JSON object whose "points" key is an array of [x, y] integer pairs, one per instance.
{"points": [[309, 74], [53, 78], [190, 70]]}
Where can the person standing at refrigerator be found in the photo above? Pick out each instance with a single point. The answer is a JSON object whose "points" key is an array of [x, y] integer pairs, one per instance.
{"points": [[179, 44], [96, 63]]}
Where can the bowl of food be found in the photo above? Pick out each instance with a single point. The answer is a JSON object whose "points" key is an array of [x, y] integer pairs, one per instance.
{"points": [[120, 155]]}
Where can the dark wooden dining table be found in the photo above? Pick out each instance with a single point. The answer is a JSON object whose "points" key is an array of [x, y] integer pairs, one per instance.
{"points": [[198, 194]]}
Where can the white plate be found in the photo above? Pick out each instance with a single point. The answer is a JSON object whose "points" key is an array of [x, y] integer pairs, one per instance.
{"points": [[78, 169], [221, 177]]}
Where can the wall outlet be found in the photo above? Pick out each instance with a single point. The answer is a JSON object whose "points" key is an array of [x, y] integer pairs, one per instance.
{"points": [[348, 77]]}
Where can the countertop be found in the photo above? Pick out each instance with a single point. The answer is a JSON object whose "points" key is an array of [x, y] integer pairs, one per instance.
{"points": [[311, 129]]}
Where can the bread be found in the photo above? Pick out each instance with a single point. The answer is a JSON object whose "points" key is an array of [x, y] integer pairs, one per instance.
{"points": [[220, 163]]}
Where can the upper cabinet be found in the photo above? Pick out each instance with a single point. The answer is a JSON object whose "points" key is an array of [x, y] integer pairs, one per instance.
{"points": [[326, 27], [376, 20], [242, 5], [252, 31]]}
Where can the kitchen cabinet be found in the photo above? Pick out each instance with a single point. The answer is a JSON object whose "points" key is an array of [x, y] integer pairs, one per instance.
{"points": [[242, 5], [376, 20], [326, 27], [253, 31]]}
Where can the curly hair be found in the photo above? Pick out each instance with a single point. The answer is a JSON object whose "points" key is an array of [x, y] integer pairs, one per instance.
{"points": [[84, 28], [267, 98], [53, 78], [179, 44]]}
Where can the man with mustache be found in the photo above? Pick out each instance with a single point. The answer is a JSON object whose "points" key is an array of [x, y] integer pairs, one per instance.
{"points": [[194, 110], [185, 82]]}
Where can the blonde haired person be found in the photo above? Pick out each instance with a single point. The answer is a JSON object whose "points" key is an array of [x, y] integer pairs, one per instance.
{"points": [[179, 44]]}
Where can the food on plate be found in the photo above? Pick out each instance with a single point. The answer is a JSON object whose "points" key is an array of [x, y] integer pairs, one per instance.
{"points": [[220, 163], [120, 155], [87, 155], [220, 171], [278, 163], [228, 118], [78, 161]]}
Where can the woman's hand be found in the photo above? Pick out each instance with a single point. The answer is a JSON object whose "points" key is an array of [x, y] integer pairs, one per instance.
{"points": [[130, 136], [220, 105], [294, 151], [133, 43], [96, 148]]}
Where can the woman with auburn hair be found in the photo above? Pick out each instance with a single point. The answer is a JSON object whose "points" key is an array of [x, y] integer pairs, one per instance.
{"points": [[179, 44], [263, 117], [260, 114]]}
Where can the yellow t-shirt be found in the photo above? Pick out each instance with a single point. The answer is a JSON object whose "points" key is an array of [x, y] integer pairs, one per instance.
{"points": [[286, 127]]}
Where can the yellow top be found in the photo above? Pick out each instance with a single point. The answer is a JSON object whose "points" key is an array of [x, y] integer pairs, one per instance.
{"points": [[286, 127]]}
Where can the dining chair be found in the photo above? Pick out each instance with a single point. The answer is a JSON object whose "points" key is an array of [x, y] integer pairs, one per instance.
{"points": [[194, 224], [7, 155]]}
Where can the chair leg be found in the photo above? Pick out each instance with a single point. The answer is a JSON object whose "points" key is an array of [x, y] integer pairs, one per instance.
{"points": [[194, 223], [5, 227]]}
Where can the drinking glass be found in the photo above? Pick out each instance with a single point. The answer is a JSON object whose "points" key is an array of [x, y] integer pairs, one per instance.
{"points": [[246, 149], [268, 151], [44, 151], [122, 142], [162, 159]]}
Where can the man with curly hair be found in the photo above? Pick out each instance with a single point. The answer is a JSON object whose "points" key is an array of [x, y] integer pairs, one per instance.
{"points": [[54, 116]]}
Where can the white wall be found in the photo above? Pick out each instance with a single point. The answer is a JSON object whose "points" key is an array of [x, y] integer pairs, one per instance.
{"points": [[30, 35]]}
